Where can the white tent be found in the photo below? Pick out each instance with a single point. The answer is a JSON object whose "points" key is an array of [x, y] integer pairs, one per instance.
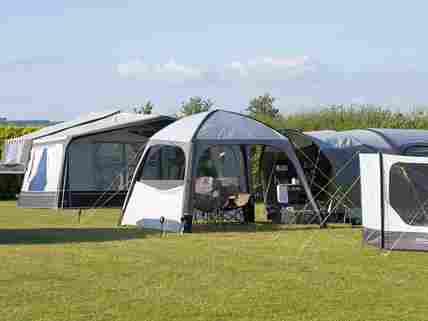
{"points": [[187, 158], [83, 163], [394, 198]]}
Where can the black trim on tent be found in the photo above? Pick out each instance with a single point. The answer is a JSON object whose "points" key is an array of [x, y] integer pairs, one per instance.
{"points": [[382, 204], [80, 124]]}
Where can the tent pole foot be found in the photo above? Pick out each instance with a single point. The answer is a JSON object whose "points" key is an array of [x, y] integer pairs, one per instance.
{"points": [[79, 214]]}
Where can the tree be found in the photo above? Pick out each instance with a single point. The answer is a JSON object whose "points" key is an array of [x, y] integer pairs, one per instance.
{"points": [[145, 109], [263, 106], [196, 105]]}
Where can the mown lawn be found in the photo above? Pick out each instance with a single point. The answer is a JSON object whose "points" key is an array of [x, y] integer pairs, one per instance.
{"points": [[53, 268]]}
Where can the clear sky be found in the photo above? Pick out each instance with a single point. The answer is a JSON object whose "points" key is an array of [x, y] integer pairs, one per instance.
{"points": [[59, 58]]}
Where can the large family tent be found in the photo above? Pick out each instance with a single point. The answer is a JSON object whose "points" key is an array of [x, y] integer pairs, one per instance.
{"points": [[394, 197], [86, 162], [212, 147], [331, 163]]}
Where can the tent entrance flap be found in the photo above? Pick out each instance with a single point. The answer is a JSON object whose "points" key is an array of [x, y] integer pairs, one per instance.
{"points": [[395, 214], [276, 169], [160, 178]]}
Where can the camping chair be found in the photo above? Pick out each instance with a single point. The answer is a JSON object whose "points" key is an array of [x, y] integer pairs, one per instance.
{"points": [[237, 203], [209, 195]]}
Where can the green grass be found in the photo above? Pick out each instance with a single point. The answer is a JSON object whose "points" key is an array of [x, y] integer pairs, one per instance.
{"points": [[53, 268]]}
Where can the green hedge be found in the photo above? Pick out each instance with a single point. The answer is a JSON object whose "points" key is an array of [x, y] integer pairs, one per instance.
{"points": [[7, 132], [343, 117]]}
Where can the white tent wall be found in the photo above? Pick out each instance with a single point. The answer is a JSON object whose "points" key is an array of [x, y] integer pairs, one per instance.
{"points": [[150, 199], [43, 175], [371, 198], [45, 167], [168, 202], [384, 226]]}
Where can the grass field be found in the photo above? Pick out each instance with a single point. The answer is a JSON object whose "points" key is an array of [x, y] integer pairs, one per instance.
{"points": [[53, 268]]}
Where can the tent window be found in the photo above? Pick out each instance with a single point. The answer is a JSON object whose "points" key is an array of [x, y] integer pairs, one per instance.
{"points": [[408, 192], [224, 163], [164, 162]]}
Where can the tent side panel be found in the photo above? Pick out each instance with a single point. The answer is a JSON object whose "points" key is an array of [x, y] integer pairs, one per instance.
{"points": [[41, 180], [371, 198], [147, 205], [99, 168], [158, 194]]}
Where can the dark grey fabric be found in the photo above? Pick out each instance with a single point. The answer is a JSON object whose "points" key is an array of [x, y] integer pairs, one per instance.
{"points": [[402, 138], [222, 125], [408, 192], [397, 240], [88, 199]]}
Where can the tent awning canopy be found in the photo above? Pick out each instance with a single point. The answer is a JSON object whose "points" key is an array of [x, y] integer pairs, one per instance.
{"points": [[17, 150], [111, 122]]}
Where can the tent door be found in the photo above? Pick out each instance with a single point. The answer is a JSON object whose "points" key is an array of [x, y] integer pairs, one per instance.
{"points": [[395, 206]]}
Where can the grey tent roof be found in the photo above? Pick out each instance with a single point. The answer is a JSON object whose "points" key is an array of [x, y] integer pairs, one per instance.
{"points": [[402, 138], [329, 139], [81, 120], [110, 122], [218, 125], [388, 140]]}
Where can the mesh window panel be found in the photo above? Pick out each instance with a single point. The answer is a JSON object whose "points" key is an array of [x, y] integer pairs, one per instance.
{"points": [[222, 168], [102, 166], [164, 163], [224, 163], [110, 165], [408, 192]]}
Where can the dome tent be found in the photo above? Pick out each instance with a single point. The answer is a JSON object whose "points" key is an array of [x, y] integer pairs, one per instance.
{"points": [[164, 183]]}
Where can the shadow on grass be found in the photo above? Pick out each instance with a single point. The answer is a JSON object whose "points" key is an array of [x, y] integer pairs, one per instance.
{"points": [[260, 227], [68, 235]]}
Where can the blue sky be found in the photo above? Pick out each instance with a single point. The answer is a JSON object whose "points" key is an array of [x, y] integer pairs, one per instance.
{"points": [[62, 58]]}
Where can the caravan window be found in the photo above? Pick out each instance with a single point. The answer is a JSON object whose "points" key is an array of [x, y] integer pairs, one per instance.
{"points": [[408, 192], [164, 162]]}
